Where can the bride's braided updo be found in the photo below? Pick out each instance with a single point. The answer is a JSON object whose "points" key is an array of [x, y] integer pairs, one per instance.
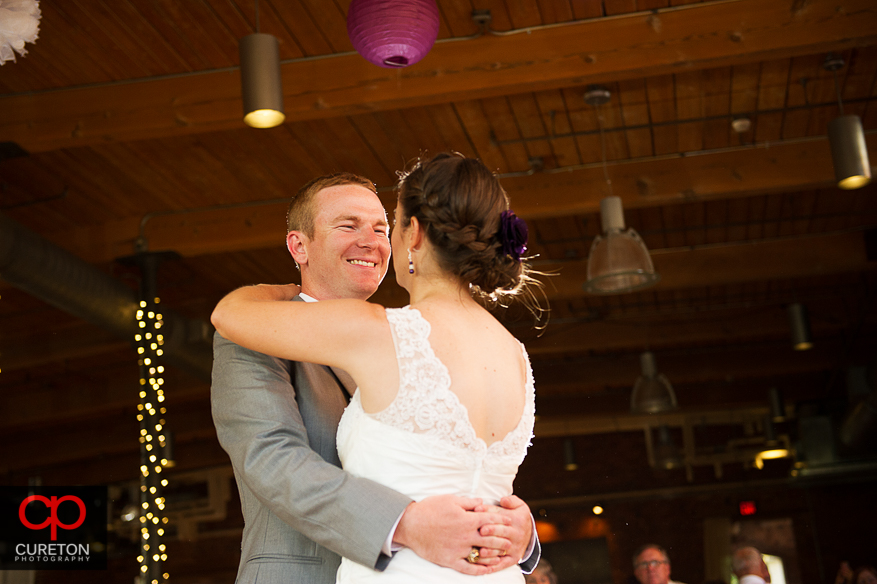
{"points": [[459, 202]]}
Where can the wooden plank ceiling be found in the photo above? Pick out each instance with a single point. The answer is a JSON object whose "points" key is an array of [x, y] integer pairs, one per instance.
{"points": [[128, 117]]}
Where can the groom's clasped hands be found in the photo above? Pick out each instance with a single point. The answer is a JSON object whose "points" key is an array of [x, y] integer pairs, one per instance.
{"points": [[444, 529]]}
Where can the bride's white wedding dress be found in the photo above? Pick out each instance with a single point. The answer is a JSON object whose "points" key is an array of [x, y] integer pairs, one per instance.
{"points": [[423, 444]]}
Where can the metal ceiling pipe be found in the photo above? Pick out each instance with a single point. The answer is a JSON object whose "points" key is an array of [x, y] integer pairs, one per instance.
{"points": [[54, 275]]}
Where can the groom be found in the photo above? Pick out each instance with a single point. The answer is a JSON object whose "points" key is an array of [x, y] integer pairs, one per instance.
{"points": [[277, 420]]}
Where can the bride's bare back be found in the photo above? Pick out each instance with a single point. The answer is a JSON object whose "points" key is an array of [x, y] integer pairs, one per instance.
{"points": [[485, 362]]}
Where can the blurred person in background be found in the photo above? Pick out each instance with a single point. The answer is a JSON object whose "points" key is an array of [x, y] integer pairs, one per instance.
{"points": [[651, 565]]}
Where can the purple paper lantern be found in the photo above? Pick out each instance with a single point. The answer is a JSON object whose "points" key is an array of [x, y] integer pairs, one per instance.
{"points": [[393, 33]]}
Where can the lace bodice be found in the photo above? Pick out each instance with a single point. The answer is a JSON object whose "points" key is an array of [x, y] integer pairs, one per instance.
{"points": [[425, 403], [423, 444]]}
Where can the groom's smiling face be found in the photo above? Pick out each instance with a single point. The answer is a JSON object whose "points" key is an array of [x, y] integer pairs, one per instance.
{"points": [[349, 254]]}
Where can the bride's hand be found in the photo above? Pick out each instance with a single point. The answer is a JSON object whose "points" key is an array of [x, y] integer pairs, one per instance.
{"points": [[519, 533], [443, 530], [279, 291]]}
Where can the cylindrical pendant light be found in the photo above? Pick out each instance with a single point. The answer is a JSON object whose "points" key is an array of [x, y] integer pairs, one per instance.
{"points": [[852, 169], [849, 153], [569, 455], [667, 455], [772, 449], [777, 406], [261, 84], [799, 324]]}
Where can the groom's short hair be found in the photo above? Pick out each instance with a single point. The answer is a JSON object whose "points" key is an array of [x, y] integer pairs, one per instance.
{"points": [[301, 213]]}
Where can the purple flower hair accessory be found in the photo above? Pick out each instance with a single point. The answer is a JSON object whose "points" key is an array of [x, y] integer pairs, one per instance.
{"points": [[513, 235]]}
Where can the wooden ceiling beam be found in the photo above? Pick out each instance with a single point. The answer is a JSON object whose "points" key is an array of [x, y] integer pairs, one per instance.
{"points": [[702, 325], [104, 467], [661, 181], [733, 263], [87, 399], [593, 373], [74, 441], [649, 183], [797, 387], [707, 35], [80, 341], [584, 425]]}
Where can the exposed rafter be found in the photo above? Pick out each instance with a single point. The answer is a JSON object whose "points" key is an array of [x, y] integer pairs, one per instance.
{"points": [[704, 35]]}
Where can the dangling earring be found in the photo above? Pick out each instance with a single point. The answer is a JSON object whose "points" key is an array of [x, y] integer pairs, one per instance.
{"points": [[410, 262]]}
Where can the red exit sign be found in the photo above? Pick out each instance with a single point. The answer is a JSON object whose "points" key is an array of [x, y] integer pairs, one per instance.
{"points": [[747, 507]]}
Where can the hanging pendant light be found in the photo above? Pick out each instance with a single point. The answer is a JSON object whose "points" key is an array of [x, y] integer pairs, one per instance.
{"points": [[652, 392], [777, 407], [393, 33], [852, 169], [773, 448], [799, 324], [569, 455], [667, 455], [849, 153], [618, 261], [261, 83]]}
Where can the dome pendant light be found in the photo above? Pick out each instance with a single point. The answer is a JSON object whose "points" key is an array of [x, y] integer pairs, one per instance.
{"points": [[618, 261], [849, 153], [652, 392], [261, 83]]}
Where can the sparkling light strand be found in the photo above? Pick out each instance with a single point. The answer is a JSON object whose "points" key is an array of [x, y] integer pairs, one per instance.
{"points": [[150, 414]]}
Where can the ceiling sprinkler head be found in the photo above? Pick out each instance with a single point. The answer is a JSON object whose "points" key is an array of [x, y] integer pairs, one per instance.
{"points": [[741, 125], [597, 95], [832, 63]]}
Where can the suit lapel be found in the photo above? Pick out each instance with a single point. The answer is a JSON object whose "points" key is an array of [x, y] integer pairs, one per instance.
{"points": [[345, 381]]}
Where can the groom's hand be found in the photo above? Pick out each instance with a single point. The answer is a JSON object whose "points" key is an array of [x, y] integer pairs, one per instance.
{"points": [[519, 532], [443, 529]]}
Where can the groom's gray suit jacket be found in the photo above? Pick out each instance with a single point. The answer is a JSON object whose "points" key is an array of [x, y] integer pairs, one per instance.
{"points": [[300, 509]]}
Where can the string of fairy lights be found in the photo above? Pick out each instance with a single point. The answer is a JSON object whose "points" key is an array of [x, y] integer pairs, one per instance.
{"points": [[153, 443]]}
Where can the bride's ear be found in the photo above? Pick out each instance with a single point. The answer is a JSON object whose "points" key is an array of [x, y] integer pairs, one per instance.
{"points": [[415, 233]]}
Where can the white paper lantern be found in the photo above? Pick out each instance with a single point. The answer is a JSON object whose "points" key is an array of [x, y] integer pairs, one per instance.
{"points": [[19, 24]]}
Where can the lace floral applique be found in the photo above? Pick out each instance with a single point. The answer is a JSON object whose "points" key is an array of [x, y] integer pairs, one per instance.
{"points": [[425, 403]]}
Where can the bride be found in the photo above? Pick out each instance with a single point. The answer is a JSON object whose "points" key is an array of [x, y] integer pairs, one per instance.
{"points": [[445, 399]]}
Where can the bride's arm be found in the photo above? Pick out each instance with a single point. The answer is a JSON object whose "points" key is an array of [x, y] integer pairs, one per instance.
{"points": [[341, 333]]}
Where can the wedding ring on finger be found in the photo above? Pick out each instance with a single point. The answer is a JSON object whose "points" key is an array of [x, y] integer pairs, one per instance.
{"points": [[473, 556]]}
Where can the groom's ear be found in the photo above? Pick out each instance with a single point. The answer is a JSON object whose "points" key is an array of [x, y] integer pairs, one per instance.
{"points": [[296, 243]]}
